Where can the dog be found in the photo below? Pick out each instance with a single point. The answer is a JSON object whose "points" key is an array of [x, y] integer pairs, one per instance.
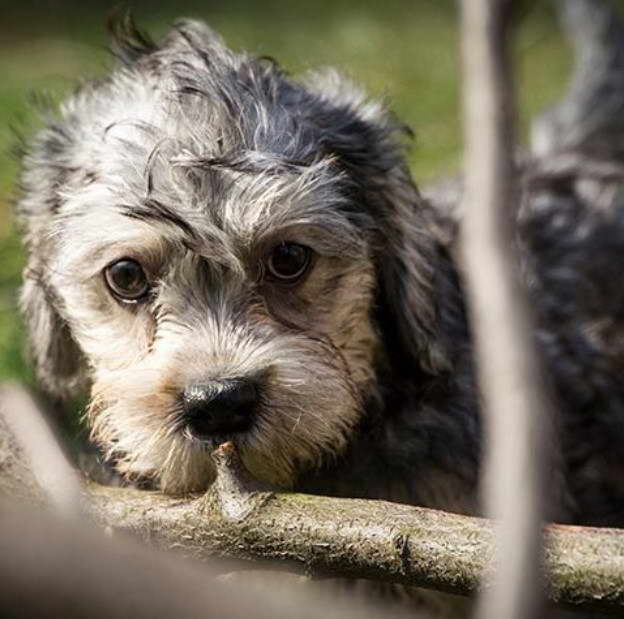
{"points": [[217, 251]]}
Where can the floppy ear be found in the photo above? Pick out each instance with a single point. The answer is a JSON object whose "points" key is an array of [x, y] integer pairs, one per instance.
{"points": [[47, 165], [58, 361], [414, 279], [369, 144]]}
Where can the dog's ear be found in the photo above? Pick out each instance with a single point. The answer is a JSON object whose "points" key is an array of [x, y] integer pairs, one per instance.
{"points": [[413, 286], [416, 294], [370, 145], [58, 361], [47, 167]]}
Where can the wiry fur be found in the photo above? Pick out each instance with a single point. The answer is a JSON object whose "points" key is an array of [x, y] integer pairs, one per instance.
{"points": [[196, 161]]}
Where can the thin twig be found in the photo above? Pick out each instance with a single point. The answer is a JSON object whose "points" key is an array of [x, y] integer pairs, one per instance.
{"points": [[516, 410], [51, 469]]}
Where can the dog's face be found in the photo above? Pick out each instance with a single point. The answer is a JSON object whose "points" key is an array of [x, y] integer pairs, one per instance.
{"points": [[212, 249], [232, 307]]}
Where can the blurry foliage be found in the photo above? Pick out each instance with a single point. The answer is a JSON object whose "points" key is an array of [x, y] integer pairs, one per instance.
{"points": [[405, 49]]}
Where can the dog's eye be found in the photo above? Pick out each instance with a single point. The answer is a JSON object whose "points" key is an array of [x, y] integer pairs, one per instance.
{"points": [[288, 262], [126, 280]]}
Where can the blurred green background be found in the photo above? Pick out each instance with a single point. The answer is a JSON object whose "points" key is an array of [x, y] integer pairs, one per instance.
{"points": [[403, 49]]}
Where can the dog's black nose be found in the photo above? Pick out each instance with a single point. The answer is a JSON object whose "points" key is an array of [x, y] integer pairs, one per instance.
{"points": [[220, 407]]}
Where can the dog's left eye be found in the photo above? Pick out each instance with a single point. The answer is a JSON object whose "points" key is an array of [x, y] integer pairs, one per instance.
{"points": [[126, 280], [289, 262]]}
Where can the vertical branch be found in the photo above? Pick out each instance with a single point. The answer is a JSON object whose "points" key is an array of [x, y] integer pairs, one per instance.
{"points": [[515, 407], [48, 463]]}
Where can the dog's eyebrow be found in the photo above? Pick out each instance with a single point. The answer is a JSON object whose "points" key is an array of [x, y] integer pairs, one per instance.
{"points": [[153, 210], [248, 161]]}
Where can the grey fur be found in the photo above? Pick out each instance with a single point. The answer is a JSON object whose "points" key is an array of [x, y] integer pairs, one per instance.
{"points": [[197, 161]]}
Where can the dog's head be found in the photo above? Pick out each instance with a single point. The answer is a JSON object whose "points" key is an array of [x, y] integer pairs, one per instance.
{"points": [[220, 252]]}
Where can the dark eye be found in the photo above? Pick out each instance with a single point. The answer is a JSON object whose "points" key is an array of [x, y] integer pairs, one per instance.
{"points": [[126, 280], [289, 262]]}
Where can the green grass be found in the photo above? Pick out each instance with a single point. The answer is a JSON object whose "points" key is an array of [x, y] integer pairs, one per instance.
{"points": [[401, 49]]}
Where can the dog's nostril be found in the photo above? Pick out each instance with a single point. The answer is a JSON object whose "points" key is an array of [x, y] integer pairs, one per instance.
{"points": [[220, 407]]}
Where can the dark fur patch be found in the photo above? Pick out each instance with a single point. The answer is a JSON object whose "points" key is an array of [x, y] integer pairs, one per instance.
{"points": [[128, 42], [153, 210]]}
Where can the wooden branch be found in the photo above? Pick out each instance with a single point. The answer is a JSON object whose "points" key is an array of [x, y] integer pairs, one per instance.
{"points": [[50, 468], [516, 410], [54, 567], [328, 537], [319, 536]]}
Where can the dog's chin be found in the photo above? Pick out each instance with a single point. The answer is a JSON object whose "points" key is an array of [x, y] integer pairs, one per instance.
{"points": [[281, 441]]}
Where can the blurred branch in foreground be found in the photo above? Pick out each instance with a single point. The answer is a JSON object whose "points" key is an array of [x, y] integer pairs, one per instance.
{"points": [[52, 568], [49, 466], [516, 410], [328, 537]]}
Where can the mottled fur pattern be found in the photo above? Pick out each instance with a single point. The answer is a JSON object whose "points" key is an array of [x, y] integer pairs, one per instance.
{"points": [[196, 162]]}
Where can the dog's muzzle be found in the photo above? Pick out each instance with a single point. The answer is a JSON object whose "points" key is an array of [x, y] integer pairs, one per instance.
{"points": [[220, 407]]}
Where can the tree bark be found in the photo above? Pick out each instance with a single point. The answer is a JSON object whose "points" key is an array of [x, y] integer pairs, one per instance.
{"points": [[328, 537]]}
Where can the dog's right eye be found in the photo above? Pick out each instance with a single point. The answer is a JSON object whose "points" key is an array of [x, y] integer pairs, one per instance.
{"points": [[126, 280], [289, 262]]}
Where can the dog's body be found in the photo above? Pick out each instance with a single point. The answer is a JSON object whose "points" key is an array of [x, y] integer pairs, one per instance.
{"points": [[220, 252]]}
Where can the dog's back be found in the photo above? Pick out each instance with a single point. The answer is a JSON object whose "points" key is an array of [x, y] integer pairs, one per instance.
{"points": [[573, 225], [571, 229]]}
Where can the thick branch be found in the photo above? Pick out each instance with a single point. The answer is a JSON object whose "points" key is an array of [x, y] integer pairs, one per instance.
{"points": [[338, 537], [60, 568], [48, 464]]}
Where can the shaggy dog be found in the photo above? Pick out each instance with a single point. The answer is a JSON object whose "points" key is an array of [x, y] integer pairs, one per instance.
{"points": [[218, 251]]}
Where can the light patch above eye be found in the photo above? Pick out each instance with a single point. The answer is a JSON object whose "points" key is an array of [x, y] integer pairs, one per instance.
{"points": [[126, 280]]}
